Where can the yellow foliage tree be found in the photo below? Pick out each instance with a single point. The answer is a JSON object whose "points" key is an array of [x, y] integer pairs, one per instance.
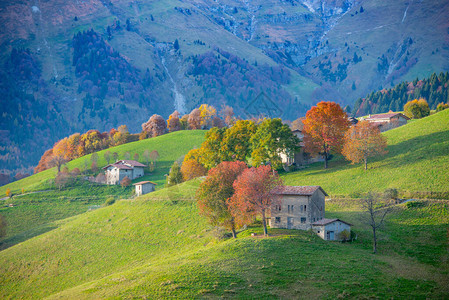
{"points": [[192, 169], [363, 141], [207, 113]]}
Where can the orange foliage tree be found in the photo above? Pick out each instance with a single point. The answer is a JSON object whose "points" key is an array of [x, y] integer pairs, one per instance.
{"points": [[325, 126], [125, 182], [363, 141], [214, 193], [195, 119], [255, 193], [173, 122], [192, 169]]}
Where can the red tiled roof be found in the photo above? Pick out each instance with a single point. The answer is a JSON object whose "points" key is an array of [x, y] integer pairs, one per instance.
{"points": [[118, 166], [144, 182], [299, 190], [328, 221], [132, 163], [386, 116]]}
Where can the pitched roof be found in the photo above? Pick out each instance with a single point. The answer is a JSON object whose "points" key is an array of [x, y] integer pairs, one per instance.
{"points": [[386, 116], [144, 182], [299, 190], [118, 166], [328, 221], [131, 163]]}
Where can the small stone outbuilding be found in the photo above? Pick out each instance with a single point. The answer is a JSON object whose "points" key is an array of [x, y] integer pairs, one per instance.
{"points": [[330, 229], [144, 187]]}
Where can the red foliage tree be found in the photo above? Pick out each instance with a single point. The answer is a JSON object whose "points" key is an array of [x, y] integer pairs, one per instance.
{"points": [[173, 122], [255, 193], [324, 129], [215, 191], [195, 119]]}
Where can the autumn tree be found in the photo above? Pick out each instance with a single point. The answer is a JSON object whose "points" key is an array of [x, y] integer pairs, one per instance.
{"points": [[207, 113], [125, 182], [417, 109], [173, 122], [146, 156], [115, 156], [136, 156], [107, 156], [121, 136], [154, 156], [184, 122], [62, 179], [227, 114], [297, 124], [44, 162], [363, 141], [325, 126], [376, 209], [174, 176], [270, 139], [155, 126], [192, 169], [195, 119], [255, 193], [214, 193], [8, 193]]}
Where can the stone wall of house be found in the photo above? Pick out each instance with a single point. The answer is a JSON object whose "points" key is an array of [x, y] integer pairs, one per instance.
{"points": [[138, 172], [297, 212]]}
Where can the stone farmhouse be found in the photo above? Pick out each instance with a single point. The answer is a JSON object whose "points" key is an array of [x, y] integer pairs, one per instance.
{"points": [[387, 121], [303, 207], [301, 157], [144, 187], [123, 168]]}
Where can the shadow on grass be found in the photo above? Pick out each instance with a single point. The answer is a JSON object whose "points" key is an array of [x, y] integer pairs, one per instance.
{"points": [[25, 235]]}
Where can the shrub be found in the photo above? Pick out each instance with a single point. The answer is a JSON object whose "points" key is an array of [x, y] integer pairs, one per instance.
{"points": [[391, 193], [442, 106], [125, 182], [417, 109], [415, 204], [344, 236], [109, 201]]}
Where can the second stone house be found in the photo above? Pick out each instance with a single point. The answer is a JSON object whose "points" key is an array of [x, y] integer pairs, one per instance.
{"points": [[123, 168], [298, 207]]}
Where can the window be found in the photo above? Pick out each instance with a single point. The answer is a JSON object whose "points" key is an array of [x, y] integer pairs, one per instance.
{"points": [[277, 220], [288, 208], [318, 231], [301, 208], [305, 208], [303, 220], [292, 208], [313, 219]]}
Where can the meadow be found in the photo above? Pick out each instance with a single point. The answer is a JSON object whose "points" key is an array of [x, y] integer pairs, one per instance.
{"points": [[159, 247]]}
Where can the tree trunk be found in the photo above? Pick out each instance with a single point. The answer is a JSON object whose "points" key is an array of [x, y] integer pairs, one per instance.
{"points": [[325, 160], [264, 221], [234, 234], [374, 241], [366, 164]]}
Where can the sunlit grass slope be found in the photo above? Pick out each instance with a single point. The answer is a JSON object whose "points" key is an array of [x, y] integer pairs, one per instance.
{"points": [[170, 146], [154, 248], [417, 164]]}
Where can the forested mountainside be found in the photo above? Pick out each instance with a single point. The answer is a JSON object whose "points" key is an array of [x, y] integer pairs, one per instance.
{"points": [[70, 66], [434, 89]]}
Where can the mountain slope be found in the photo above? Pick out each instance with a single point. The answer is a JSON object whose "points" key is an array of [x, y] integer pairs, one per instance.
{"points": [[332, 50]]}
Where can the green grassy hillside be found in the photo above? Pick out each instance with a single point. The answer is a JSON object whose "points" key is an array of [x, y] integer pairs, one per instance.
{"points": [[148, 247], [35, 213], [416, 164], [170, 146]]}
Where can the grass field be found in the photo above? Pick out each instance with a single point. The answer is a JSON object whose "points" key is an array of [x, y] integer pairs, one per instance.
{"points": [[416, 164], [33, 214], [154, 248]]}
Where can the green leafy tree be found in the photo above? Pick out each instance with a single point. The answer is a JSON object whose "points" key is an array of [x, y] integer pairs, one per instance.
{"points": [[270, 139], [236, 144], [107, 156], [175, 175]]}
